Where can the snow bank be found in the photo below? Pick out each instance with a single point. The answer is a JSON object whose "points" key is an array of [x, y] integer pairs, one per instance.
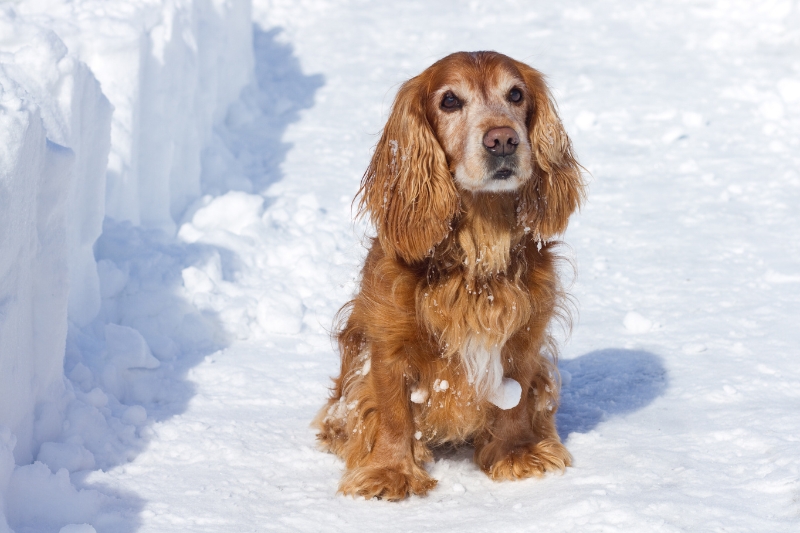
{"points": [[55, 129], [171, 69], [105, 110]]}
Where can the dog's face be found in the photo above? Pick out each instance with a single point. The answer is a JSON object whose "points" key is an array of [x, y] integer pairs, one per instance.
{"points": [[471, 123], [480, 112]]}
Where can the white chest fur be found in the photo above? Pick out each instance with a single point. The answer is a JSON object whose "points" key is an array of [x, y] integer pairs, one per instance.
{"points": [[484, 368]]}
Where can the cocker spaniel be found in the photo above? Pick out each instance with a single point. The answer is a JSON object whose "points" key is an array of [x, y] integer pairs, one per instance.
{"points": [[447, 340]]}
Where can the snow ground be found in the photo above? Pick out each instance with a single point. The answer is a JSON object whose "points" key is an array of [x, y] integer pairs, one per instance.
{"points": [[681, 393]]}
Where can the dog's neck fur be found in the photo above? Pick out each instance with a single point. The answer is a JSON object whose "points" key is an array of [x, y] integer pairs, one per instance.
{"points": [[484, 238], [485, 233]]}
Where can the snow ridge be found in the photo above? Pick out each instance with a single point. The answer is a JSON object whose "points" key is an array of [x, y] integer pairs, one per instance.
{"points": [[105, 110]]}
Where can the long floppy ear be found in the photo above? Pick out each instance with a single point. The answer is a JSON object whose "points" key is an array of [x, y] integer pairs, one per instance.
{"points": [[556, 188], [408, 190]]}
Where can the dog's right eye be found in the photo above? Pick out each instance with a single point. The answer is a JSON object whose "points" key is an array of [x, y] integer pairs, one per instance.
{"points": [[450, 102]]}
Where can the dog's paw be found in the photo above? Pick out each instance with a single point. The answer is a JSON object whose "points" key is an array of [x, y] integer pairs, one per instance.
{"points": [[530, 460], [386, 483]]}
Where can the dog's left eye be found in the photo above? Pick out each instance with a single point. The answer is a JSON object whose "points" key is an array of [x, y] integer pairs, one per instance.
{"points": [[450, 102], [515, 95]]}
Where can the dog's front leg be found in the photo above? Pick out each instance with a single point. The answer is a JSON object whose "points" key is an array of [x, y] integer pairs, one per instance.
{"points": [[389, 470], [523, 442]]}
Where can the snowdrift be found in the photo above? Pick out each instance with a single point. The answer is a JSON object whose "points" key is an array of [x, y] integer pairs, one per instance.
{"points": [[105, 110]]}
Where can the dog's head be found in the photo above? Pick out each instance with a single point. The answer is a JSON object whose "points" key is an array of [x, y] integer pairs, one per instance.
{"points": [[480, 123]]}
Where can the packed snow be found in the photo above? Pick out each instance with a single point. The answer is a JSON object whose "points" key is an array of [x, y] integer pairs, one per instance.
{"points": [[177, 235]]}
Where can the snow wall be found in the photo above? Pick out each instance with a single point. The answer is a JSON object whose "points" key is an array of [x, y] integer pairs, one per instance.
{"points": [[105, 109]]}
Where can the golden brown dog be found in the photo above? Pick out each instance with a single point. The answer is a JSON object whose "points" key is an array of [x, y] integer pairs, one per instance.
{"points": [[447, 339]]}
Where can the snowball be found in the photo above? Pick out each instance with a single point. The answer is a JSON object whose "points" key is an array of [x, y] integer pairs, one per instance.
{"points": [[419, 395], [507, 395], [636, 323]]}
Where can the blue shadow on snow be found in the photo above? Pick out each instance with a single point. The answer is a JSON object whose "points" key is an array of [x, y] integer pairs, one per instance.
{"points": [[256, 124], [605, 383]]}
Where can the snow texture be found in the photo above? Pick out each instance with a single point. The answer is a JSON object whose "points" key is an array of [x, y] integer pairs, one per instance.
{"points": [[105, 110], [176, 231]]}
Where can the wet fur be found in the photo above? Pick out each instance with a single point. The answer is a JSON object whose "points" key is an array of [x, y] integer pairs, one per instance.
{"points": [[454, 270]]}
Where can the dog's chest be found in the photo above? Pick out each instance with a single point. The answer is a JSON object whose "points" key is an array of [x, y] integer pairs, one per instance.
{"points": [[451, 401], [475, 374]]}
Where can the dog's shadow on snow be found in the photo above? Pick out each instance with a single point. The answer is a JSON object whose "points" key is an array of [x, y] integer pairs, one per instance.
{"points": [[606, 383], [595, 387]]}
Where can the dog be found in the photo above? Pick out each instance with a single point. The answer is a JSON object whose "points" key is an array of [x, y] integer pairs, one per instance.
{"points": [[446, 341]]}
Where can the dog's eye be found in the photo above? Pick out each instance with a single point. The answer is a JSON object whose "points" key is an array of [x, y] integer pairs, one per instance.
{"points": [[450, 101], [515, 95]]}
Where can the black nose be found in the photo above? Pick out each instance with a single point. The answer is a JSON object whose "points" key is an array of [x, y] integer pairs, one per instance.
{"points": [[501, 141]]}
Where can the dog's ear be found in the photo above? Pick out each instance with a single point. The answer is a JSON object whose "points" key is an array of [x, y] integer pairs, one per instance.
{"points": [[408, 190], [556, 188]]}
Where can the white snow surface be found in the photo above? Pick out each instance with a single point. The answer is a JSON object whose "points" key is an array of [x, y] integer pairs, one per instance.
{"points": [[176, 228]]}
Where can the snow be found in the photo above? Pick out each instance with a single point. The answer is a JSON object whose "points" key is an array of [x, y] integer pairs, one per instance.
{"points": [[72, 110], [177, 235], [636, 323], [54, 118], [170, 69], [508, 394], [418, 396]]}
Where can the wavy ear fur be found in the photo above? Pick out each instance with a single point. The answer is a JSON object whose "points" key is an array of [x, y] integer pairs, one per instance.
{"points": [[556, 188], [408, 190]]}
